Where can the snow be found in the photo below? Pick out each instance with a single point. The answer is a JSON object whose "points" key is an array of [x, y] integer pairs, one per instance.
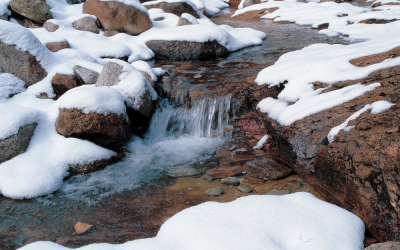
{"points": [[145, 67], [376, 108], [261, 142], [90, 99], [3, 7], [190, 18], [13, 117], [134, 3], [10, 85], [289, 222], [24, 40]]}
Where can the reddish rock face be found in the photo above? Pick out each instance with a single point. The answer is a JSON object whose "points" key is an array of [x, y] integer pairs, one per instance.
{"points": [[177, 8], [63, 83], [255, 13], [248, 3], [376, 58], [117, 16], [57, 46], [97, 128]]}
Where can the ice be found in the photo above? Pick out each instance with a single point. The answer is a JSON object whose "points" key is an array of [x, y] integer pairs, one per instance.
{"points": [[289, 222], [261, 142], [10, 85]]}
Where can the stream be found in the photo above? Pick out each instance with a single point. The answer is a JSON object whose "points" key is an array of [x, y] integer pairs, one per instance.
{"points": [[198, 127]]}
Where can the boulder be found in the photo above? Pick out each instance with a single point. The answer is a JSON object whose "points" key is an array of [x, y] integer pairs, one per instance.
{"points": [[254, 14], [36, 10], [50, 27], [247, 3], [183, 50], [389, 245], [117, 16], [87, 24], [62, 83], [23, 59], [177, 8], [86, 76], [148, 77], [267, 169], [17, 143], [57, 46]]}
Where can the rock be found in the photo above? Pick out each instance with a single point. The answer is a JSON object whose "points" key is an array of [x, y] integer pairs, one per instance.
{"points": [[50, 27], [17, 143], [234, 3], [57, 46], [231, 181], [245, 189], [86, 76], [177, 8], [22, 64], [278, 192], [148, 77], [248, 3], [377, 21], [63, 83], [79, 169], [376, 58], [42, 96], [223, 172], [255, 14], [183, 21], [36, 10], [187, 171], [100, 129], [109, 75], [217, 191], [117, 16], [109, 33], [27, 23], [267, 169], [183, 50], [187, 19], [75, 1], [4, 17], [87, 24], [389, 245], [81, 227]]}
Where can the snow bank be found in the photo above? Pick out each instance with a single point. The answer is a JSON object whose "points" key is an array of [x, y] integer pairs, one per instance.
{"points": [[24, 40], [10, 85], [14, 117], [190, 18], [290, 222], [134, 3], [145, 67], [3, 7], [90, 99]]}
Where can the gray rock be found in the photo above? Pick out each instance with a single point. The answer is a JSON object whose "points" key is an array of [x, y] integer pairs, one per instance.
{"points": [[248, 3], [217, 191], [109, 33], [187, 171], [245, 189], [278, 192], [4, 17], [36, 10], [75, 1], [389, 245], [87, 24], [50, 27], [183, 21], [109, 76], [17, 143], [86, 76], [177, 8], [267, 169], [231, 181]]}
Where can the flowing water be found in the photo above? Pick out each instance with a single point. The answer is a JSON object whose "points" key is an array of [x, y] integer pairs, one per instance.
{"points": [[128, 200]]}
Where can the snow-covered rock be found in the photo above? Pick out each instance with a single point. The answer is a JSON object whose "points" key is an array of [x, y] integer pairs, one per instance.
{"points": [[177, 7], [10, 85], [36, 10], [187, 19]]}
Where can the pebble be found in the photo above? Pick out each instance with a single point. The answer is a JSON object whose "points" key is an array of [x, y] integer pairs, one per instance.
{"points": [[245, 189], [230, 181], [187, 171], [217, 191], [81, 227]]}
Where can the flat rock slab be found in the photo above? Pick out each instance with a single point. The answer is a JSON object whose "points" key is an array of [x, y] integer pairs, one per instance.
{"points": [[267, 169], [183, 172], [223, 172], [217, 191]]}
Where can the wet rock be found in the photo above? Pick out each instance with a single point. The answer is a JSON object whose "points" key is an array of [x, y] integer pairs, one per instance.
{"points": [[109, 75], [87, 24], [217, 191], [50, 27], [255, 13], [109, 33], [57, 46], [86, 76], [81, 227], [100, 129], [224, 172], [278, 192], [36, 10], [177, 8], [267, 169], [187, 171], [248, 3], [79, 169], [183, 50], [17, 143], [390, 245], [114, 15], [245, 189], [230, 181], [62, 83]]}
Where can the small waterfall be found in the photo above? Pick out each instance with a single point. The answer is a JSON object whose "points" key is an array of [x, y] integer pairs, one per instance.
{"points": [[207, 118]]}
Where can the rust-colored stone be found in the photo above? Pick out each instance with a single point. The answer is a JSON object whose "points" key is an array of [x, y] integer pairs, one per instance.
{"points": [[255, 13], [62, 83], [376, 21], [376, 58], [81, 227], [57, 46], [223, 172]]}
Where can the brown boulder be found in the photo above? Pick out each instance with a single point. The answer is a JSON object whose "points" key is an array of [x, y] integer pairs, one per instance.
{"points": [[16, 144], [36, 10], [87, 24], [50, 27], [57, 46], [117, 16], [177, 8], [62, 83], [267, 169], [100, 129], [183, 50]]}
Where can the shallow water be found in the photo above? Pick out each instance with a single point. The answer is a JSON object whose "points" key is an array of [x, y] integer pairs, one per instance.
{"points": [[135, 188]]}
